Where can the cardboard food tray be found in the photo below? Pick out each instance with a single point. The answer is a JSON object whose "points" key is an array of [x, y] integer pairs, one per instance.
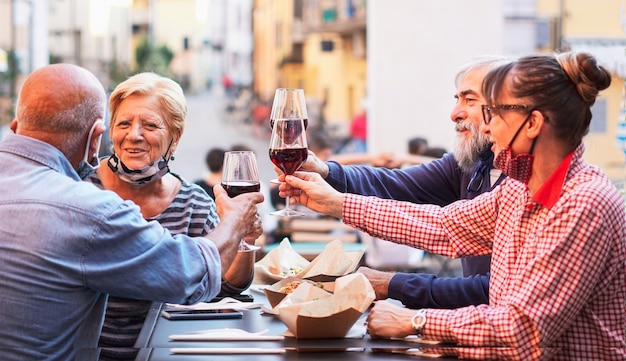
{"points": [[331, 263], [274, 296], [312, 312]]}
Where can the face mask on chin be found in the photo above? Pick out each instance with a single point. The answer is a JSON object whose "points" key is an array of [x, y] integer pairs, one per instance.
{"points": [[139, 177], [85, 167], [518, 167]]}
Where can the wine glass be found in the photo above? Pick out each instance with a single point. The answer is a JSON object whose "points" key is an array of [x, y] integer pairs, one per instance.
{"points": [[288, 150], [288, 100], [240, 175]]}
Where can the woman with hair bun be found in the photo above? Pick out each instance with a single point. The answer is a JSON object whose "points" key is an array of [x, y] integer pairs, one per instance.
{"points": [[555, 226]]}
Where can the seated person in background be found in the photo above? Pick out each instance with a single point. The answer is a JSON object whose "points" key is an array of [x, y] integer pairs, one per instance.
{"points": [[463, 174], [240, 147], [435, 152], [66, 244], [214, 161], [428, 155], [417, 145], [555, 226]]}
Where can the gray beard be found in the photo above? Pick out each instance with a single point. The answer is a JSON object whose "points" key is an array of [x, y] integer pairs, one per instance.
{"points": [[467, 152]]}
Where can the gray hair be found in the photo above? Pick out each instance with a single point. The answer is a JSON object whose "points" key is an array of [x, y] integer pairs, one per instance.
{"points": [[490, 61]]}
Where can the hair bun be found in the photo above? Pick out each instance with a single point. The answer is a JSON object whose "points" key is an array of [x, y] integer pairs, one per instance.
{"points": [[588, 77]]}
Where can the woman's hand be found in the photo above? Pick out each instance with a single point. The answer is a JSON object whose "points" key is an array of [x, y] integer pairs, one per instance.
{"points": [[310, 190], [386, 320]]}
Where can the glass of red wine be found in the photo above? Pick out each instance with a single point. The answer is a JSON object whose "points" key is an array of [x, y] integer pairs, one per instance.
{"points": [[240, 175], [288, 150], [288, 103]]}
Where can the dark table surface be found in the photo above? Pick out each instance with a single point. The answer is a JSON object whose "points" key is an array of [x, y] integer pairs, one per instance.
{"points": [[155, 344]]}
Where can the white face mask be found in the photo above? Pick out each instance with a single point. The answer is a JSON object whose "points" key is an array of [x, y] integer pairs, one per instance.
{"points": [[143, 176], [86, 167]]}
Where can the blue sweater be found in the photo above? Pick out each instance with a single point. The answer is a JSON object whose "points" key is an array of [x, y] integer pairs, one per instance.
{"points": [[440, 182]]}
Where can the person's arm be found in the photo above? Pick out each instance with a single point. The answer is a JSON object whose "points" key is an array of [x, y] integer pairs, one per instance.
{"points": [[438, 182], [353, 158], [564, 290], [420, 290], [177, 269]]}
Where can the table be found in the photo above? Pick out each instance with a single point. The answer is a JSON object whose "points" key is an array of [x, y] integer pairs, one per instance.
{"points": [[155, 345]]}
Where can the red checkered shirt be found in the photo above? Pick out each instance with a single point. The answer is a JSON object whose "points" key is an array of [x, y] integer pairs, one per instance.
{"points": [[558, 283]]}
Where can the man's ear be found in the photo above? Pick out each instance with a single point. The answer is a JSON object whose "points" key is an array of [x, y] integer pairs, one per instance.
{"points": [[96, 137], [13, 125]]}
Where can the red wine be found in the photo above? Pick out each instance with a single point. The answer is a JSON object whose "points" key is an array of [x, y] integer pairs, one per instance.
{"points": [[305, 121], [288, 159], [235, 188], [289, 130]]}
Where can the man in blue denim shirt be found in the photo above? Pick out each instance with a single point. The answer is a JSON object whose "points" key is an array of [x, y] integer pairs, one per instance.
{"points": [[65, 245], [462, 175]]}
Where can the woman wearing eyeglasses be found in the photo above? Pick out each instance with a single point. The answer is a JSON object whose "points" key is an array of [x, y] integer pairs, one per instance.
{"points": [[555, 227]]}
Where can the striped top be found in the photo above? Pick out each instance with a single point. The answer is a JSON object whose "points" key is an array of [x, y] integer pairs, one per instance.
{"points": [[192, 212]]}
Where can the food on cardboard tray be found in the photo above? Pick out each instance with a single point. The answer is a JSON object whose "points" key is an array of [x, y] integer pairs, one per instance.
{"points": [[292, 271], [279, 290], [311, 312], [283, 261], [289, 287], [278, 264]]}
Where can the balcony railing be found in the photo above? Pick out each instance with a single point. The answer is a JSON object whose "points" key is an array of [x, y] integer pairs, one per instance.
{"points": [[337, 16]]}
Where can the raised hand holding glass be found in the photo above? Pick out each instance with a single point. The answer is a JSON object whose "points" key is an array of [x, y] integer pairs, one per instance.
{"points": [[240, 175], [288, 151]]}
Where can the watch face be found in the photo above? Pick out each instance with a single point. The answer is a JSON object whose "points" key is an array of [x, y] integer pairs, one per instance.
{"points": [[419, 320]]}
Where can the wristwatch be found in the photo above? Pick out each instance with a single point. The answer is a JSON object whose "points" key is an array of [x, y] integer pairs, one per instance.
{"points": [[418, 321]]}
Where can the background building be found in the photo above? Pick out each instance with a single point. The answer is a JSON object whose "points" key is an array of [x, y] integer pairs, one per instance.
{"points": [[599, 28], [400, 55]]}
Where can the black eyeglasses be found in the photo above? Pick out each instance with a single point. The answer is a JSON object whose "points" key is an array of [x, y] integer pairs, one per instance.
{"points": [[490, 110]]}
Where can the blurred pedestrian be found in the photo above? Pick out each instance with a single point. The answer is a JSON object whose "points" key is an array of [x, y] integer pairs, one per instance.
{"points": [[214, 161], [357, 141], [417, 145]]}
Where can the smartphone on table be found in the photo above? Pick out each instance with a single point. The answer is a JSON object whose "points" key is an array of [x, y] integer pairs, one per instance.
{"points": [[187, 314]]}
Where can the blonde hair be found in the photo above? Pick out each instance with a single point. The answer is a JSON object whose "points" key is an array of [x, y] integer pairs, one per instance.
{"points": [[170, 95]]}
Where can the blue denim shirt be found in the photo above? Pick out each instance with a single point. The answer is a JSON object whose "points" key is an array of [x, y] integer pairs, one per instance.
{"points": [[64, 245]]}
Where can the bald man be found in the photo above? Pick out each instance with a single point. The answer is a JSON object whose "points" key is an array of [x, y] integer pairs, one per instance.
{"points": [[65, 245]]}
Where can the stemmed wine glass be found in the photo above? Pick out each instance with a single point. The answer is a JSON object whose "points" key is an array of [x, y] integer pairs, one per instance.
{"points": [[288, 100], [288, 150], [240, 175]]}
